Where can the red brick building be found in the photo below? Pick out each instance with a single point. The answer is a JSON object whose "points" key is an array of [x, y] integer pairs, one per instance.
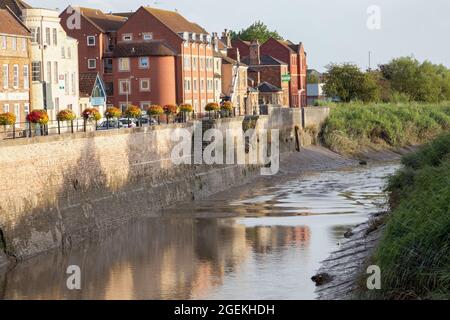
{"points": [[295, 56], [192, 45]]}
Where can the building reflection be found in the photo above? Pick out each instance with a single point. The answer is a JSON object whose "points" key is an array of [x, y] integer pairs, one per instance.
{"points": [[153, 259]]}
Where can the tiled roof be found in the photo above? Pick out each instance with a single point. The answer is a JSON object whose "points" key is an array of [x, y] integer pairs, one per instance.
{"points": [[175, 21], [267, 87], [104, 22], [265, 61], [10, 25], [87, 83], [15, 6], [140, 49], [228, 60]]}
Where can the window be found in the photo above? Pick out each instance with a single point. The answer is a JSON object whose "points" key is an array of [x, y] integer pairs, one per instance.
{"points": [[144, 85], [187, 63], [6, 108], [49, 72], [143, 63], [69, 53], [73, 84], [5, 76], [91, 41], [26, 77], [145, 105], [202, 64], [66, 83], [36, 71], [17, 112], [147, 36], [55, 72], [124, 64], [123, 105], [187, 84], [109, 88], [195, 85], [202, 84], [26, 108], [194, 64], [217, 84], [127, 37], [108, 65], [36, 35], [92, 63], [47, 36], [124, 87], [24, 44], [55, 37], [4, 42], [57, 103], [14, 43], [63, 52]]}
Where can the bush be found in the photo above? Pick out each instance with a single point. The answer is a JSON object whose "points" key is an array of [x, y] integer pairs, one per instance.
{"points": [[91, 114], [7, 119], [133, 112], [66, 115], [155, 110], [38, 116], [414, 252], [170, 109], [213, 106], [185, 107], [113, 112]]}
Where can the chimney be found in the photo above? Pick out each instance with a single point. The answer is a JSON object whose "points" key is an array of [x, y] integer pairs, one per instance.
{"points": [[226, 38], [255, 53], [215, 39]]}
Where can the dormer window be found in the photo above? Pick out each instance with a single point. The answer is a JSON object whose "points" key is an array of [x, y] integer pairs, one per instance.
{"points": [[127, 37], [201, 37], [147, 36], [193, 36]]}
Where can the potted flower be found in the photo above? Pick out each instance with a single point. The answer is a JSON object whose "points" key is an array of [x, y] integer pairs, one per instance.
{"points": [[170, 109], [132, 112], [91, 114], [212, 106], [38, 117], [186, 108], [65, 115], [7, 119], [227, 107], [112, 113], [155, 111]]}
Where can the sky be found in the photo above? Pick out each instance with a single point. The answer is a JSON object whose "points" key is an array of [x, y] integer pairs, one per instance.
{"points": [[332, 31]]}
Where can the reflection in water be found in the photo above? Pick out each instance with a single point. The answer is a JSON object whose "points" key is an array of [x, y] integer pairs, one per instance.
{"points": [[264, 246]]}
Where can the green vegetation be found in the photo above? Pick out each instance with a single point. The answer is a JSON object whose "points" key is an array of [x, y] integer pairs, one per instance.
{"points": [[414, 252], [401, 80], [352, 128], [257, 31]]}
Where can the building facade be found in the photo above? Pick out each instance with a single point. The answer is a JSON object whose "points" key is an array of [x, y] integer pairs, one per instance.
{"points": [[15, 63], [54, 66]]}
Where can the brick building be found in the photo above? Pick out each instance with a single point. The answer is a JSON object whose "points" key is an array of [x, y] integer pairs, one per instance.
{"points": [[293, 55], [15, 63]]}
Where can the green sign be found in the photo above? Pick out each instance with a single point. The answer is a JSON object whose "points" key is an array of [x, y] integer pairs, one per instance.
{"points": [[286, 77]]}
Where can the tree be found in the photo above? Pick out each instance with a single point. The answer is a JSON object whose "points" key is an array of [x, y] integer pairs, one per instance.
{"points": [[312, 78], [347, 82], [257, 31]]}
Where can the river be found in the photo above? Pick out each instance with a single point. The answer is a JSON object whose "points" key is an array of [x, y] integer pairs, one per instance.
{"points": [[264, 243]]}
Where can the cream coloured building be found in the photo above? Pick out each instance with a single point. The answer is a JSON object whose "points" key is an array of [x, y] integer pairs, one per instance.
{"points": [[54, 66]]}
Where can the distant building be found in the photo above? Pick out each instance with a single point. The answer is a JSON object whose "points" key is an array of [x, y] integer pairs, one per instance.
{"points": [[15, 63], [92, 92], [315, 93]]}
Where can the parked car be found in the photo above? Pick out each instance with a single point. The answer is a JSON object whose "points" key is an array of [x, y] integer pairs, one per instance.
{"points": [[128, 123], [111, 124]]}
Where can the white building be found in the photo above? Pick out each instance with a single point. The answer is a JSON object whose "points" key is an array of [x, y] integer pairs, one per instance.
{"points": [[54, 67]]}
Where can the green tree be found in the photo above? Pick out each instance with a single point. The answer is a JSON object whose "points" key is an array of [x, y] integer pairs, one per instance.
{"points": [[312, 78], [257, 31], [347, 82]]}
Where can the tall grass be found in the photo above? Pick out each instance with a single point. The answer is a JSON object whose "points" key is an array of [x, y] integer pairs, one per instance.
{"points": [[414, 252], [354, 127]]}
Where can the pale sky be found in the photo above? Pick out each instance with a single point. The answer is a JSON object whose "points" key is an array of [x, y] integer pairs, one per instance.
{"points": [[331, 30]]}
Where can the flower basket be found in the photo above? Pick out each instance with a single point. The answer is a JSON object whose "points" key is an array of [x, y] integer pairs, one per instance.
{"points": [[7, 119], [155, 110], [170, 109], [66, 115], [227, 107], [91, 114], [133, 112], [113, 113], [38, 117], [213, 106], [186, 107]]}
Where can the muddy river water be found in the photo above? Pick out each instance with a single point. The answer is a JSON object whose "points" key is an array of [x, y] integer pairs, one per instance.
{"points": [[264, 244]]}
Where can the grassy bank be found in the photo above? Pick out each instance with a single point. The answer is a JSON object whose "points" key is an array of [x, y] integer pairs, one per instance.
{"points": [[414, 252], [352, 128]]}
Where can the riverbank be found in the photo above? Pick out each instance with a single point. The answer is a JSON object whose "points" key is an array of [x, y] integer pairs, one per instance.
{"points": [[409, 242]]}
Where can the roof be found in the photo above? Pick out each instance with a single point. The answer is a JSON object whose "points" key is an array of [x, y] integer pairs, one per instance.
{"points": [[175, 21], [11, 25], [16, 6], [87, 83], [267, 87], [104, 22], [266, 60], [228, 60], [139, 49]]}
